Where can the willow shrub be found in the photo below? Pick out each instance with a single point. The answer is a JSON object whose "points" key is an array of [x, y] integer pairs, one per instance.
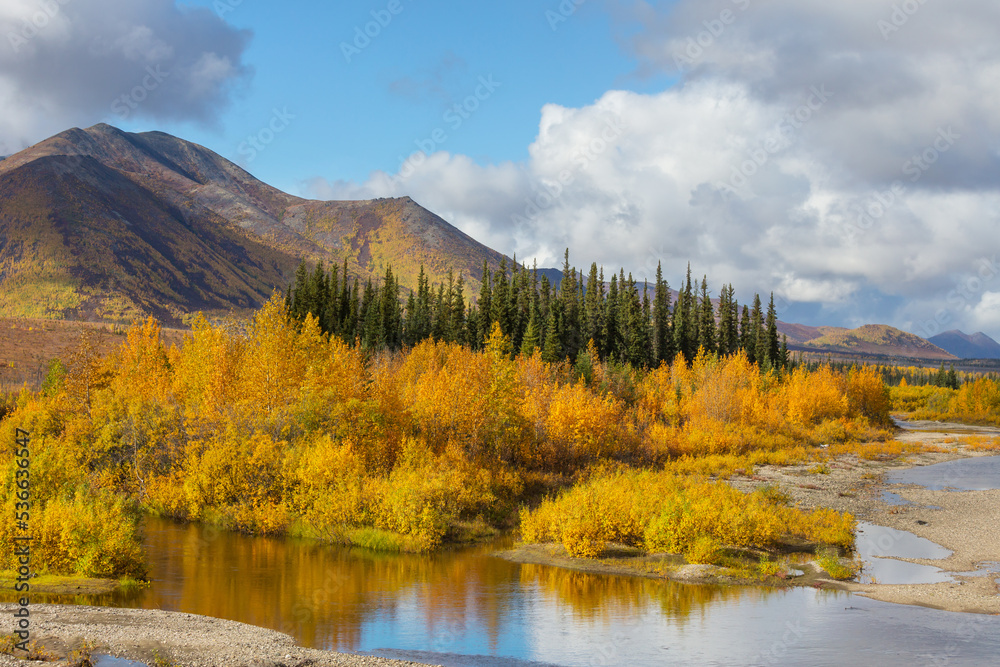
{"points": [[92, 535], [661, 512]]}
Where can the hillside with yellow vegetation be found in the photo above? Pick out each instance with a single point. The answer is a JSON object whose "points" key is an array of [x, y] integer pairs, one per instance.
{"points": [[100, 224], [870, 339]]}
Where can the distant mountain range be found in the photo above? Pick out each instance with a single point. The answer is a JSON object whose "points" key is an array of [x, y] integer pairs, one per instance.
{"points": [[103, 224], [100, 223], [870, 339], [964, 346]]}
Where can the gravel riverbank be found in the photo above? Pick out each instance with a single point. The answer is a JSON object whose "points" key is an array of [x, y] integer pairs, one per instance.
{"points": [[178, 638]]}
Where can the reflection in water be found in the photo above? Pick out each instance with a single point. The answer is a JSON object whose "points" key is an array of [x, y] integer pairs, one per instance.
{"points": [[111, 661], [974, 474], [601, 597], [468, 608], [879, 546]]}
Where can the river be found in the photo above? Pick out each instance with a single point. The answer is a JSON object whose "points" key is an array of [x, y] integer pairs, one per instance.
{"points": [[466, 607]]}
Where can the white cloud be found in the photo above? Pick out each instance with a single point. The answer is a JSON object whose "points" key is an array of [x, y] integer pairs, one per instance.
{"points": [[79, 62], [802, 152], [986, 315]]}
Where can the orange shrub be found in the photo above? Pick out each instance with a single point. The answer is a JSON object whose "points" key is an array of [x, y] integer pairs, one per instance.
{"points": [[813, 397]]}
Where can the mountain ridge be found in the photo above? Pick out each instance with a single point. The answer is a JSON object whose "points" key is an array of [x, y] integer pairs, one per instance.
{"points": [[102, 183], [868, 339], [966, 346]]}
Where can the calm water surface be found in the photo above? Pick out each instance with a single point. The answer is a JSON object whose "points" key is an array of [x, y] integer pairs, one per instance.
{"points": [[975, 474], [469, 608]]}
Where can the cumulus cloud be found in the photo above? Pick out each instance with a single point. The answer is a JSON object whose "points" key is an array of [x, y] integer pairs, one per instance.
{"points": [[844, 155], [76, 62]]}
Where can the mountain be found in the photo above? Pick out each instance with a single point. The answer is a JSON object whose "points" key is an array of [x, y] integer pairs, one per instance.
{"points": [[964, 346], [100, 223], [870, 340]]}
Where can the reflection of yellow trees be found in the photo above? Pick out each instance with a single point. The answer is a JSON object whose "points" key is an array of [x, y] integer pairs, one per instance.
{"points": [[599, 597], [322, 595]]}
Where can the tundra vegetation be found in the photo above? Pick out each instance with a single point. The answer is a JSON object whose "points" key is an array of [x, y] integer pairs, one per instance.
{"points": [[276, 425]]}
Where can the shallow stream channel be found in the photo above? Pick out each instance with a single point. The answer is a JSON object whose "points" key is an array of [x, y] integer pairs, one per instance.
{"points": [[469, 608]]}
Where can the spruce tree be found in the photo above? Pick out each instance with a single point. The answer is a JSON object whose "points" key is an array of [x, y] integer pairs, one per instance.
{"points": [[634, 339], [569, 295], [706, 320], [552, 349], [611, 320], [458, 328], [690, 317], [300, 292], [952, 378], [409, 323], [663, 348], [390, 319], [726, 323], [679, 324], [759, 335], [484, 304], [592, 306], [746, 335], [330, 318], [532, 335], [773, 345], [498, 309], [318, 291]]}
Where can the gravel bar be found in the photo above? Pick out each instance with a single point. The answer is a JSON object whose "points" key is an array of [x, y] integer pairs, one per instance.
{"points": [[181, 639]]}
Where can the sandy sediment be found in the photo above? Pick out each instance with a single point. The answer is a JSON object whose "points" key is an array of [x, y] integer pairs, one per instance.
{"points": [[178, 638]]}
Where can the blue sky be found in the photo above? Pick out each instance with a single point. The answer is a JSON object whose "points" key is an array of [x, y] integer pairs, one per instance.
{"points": [[355, 117], [845, 156]]}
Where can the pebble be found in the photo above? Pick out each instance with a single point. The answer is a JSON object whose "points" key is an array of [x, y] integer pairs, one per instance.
{"points": [[185, 639]]}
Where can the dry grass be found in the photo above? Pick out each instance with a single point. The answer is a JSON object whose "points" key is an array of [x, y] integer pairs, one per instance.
{"points": [[28, 346], [980, 443]]}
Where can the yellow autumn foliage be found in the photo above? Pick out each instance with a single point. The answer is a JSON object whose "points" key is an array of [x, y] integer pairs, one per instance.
{"points": [[270, 426], [664, 512]]}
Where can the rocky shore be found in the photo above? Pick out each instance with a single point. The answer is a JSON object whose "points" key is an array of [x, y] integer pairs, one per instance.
{"points": [[173, 638]]}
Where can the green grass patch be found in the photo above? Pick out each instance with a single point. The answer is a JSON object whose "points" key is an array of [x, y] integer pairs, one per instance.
{"points": [[55, 584], [377, 540], [836, 567]]}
